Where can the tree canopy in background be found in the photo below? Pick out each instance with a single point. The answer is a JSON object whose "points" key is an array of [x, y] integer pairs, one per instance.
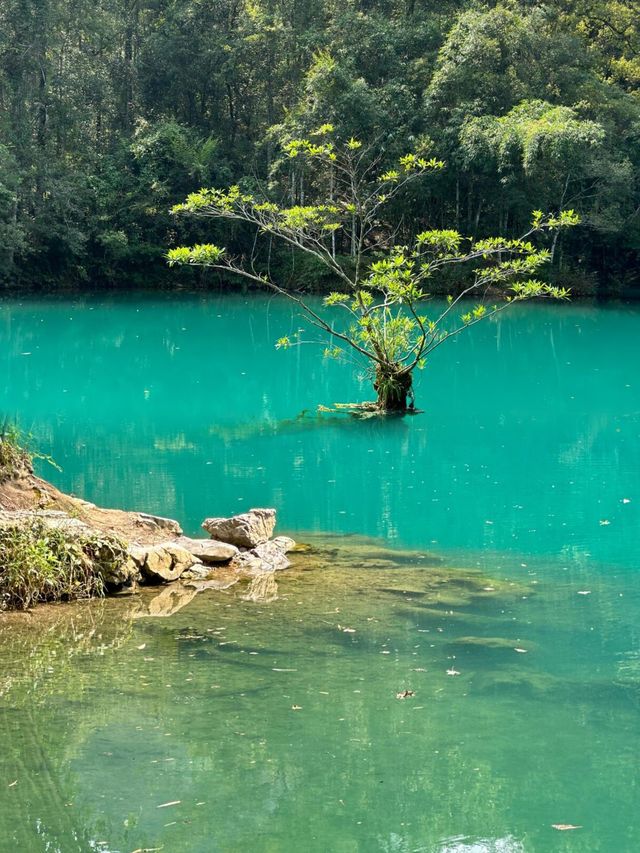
{"points": [[111, 111]]}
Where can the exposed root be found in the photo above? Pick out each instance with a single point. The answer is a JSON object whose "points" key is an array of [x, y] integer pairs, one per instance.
{"points": [[366, 410]]}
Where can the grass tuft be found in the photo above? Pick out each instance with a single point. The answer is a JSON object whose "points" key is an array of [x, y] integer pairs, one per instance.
{"points": [[14, 457], [40, 564]]}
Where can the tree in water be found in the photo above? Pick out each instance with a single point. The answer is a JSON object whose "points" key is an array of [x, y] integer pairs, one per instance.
{"points": [[381, 281]]}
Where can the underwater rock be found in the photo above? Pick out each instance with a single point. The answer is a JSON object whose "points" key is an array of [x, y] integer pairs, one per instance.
{"points": [[208, 550], [471, 643], [220, 579], [245, 530]]}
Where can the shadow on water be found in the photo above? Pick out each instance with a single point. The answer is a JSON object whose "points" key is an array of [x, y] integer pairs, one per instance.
{"points": [[309, 420]]}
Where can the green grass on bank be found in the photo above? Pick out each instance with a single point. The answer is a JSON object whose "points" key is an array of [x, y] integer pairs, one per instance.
{"points": [[41, 564]]}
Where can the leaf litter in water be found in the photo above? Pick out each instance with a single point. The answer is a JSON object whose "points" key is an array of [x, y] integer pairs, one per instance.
{"points": [[564, 826], [405, 694]]}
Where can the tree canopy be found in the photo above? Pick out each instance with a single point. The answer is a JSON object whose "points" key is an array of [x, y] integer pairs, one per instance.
{"points": [[113, 110], [382, 284]]}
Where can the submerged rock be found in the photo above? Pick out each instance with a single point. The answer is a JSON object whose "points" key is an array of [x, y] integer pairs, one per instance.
{"points": [[484, 644], [245, 530], [208, 550]]}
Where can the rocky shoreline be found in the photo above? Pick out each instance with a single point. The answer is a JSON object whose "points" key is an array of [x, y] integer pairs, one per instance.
{"points": [[125, 550]]}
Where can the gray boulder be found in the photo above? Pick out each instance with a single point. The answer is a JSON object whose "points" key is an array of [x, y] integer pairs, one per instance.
{"points": [[208, 550], [246, 530], [160, 522], [266, 557]]}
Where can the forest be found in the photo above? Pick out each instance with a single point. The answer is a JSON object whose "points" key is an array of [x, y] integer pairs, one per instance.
{"points": [[112, 111]]}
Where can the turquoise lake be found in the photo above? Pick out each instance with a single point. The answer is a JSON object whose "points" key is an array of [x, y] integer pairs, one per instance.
{"points": [[482, 555]]}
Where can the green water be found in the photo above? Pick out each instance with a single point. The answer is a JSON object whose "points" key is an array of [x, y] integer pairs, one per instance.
{"points": [[516, 493]]}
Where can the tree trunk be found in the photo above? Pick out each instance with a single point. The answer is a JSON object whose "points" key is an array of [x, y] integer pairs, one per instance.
{"points": [[393, 389]]}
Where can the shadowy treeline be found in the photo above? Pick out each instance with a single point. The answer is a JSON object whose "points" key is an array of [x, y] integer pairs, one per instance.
{"points": [[113, 110]]}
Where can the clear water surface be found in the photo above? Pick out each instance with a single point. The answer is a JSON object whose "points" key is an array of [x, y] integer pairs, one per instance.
{"points": [[268, 720]]}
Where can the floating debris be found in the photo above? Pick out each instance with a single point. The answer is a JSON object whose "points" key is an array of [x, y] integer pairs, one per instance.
{"points": [[405, 694]]}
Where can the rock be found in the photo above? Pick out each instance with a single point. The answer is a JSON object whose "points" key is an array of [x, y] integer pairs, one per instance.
{"points": [[266, 557], [222, 580], [53, 519], [165, 562], [197, 572], [246, 530], [123, 574], [285, 543], [273, 554], [208, 550], [159, 521], [138, 553]]}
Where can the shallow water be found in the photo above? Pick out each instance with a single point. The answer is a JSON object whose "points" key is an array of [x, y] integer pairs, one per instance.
{"points": [[516, 495]]}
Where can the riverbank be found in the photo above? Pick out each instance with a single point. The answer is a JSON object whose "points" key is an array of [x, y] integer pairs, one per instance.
{"points": [[57, 547]]}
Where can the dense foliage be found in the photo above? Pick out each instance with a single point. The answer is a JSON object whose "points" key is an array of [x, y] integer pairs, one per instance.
{"points": [[39, 563], [111, 111]]}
